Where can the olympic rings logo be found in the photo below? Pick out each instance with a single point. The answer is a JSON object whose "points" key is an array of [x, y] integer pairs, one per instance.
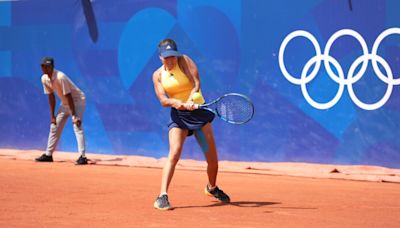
{"points": [[340, 78]]}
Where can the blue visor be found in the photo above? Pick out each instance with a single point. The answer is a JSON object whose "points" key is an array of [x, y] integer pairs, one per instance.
{"points": [[168, 50]]}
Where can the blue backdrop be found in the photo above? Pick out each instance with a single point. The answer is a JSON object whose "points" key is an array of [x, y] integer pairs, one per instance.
{"points": [[323, 74]]}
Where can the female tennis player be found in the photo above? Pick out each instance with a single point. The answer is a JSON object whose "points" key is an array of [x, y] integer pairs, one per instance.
{"points": [[177, 85]]}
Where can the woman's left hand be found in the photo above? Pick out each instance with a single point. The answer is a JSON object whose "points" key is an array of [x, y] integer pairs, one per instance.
{"points": [[190, 105]]}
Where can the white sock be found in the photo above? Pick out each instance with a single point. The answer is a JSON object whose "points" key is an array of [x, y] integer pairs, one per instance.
{"points": [[48, 153], [211, 188], [163, 193]]}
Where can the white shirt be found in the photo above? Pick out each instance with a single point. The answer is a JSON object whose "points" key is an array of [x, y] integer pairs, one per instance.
{"points": [[62, 85]]}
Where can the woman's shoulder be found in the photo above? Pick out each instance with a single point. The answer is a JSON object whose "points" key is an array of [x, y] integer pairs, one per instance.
{"points": [[186, 62], [157, 73], [184, 58]]}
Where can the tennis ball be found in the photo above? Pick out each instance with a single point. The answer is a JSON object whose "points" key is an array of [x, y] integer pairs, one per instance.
{"points": [[197, 98]]}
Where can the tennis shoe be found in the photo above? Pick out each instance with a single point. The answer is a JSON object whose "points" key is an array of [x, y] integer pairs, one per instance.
{"points": [[218, 194], [44, 158], [162, 203], [81, 161]]}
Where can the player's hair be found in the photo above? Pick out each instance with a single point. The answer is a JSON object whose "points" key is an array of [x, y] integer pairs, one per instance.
{"points": [[168, 41]]}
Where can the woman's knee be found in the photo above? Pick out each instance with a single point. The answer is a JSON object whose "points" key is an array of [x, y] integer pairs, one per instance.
{"points": [[174, 155]]}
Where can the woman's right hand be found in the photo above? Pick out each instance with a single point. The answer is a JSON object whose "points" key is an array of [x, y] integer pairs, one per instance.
{"points": [[179, 105]]}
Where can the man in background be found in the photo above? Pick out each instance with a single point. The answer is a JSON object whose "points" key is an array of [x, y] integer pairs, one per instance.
{"points": [[72, 104]]}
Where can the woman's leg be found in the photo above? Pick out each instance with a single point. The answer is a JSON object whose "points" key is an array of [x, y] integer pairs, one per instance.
{"points": [[205, 139], [176, 139]]}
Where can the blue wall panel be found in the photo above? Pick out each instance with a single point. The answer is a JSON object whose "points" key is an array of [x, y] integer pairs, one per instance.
{"points": [[237, 46]]}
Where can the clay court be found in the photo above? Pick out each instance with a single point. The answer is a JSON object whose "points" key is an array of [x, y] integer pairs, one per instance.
{"points": [[110, 193], [304, 95]]}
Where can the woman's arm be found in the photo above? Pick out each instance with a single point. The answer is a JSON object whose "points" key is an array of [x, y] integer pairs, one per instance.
{"points": [[190, 69]]}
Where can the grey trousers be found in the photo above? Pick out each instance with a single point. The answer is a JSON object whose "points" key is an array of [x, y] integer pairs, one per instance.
{"points": [[62, 116]]}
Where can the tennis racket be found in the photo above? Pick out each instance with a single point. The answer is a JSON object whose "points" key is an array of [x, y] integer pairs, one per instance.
{"points": [[233, 108]]}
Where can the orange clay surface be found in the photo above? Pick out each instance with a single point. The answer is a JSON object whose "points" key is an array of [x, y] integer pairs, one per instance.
{"points": [[119, 191]]}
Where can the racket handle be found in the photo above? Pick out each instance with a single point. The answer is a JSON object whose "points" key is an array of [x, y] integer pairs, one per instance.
{"points": [[196, 106]]}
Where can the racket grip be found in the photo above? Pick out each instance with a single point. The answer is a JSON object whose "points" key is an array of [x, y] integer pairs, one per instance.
{"points": [[196, 106]]}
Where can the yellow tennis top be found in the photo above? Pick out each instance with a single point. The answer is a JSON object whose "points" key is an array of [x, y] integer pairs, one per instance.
{"points": [[177, 85]]}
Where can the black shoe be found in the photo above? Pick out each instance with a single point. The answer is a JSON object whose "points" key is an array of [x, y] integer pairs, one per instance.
{"points": [[218, 194], [44, 158], [162, 203], [81, 161]]}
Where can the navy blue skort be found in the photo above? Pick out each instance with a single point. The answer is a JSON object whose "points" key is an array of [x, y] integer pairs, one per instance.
{"points": [[191, 120]]}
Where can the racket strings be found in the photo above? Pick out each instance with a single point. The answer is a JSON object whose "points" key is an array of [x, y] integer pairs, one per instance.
{"points": [[235, 109]]}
